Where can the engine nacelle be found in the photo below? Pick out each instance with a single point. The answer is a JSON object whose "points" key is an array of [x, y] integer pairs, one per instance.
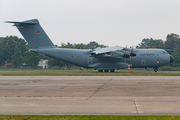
{"points": [[116, 54]]}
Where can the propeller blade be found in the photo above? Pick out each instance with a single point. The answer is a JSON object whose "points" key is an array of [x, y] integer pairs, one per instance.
{"points": [[132, 49], [131, 55], [125, 55]]}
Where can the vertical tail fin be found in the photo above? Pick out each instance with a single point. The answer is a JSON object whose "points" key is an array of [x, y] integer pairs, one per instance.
{"points": [[33, 33]]}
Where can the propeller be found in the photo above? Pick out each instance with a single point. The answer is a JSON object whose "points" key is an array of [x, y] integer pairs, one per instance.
{"points": [[131, 55], [125, 55]]}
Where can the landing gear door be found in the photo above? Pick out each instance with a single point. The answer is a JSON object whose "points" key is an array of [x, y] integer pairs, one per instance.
{"points": [[90, 61]]}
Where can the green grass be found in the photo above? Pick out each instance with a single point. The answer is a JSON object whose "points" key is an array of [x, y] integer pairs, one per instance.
{"points": [[64, 71], [90, 74], [44, 70], [86, 117]]}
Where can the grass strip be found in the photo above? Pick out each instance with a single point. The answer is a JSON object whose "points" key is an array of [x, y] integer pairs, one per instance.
{"points": [[85, 117], [60, 71], [90, 74], [44, 70]]}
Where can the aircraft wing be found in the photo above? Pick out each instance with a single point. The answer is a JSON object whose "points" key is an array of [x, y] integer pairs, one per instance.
{"points": [[106, 50]]}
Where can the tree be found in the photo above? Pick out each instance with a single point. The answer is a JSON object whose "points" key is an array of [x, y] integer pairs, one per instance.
{"points": [[172, 40], [93, 44], [151, 43], [155, 44], [32, 59], [63, 45], [79, 46], [7, 48], [176, 55], [17, 58], [144, 43]]}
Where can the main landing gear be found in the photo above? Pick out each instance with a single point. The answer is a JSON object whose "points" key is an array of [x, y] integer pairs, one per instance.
{"points": [[112, 70], [107, 70], [100, 70]]}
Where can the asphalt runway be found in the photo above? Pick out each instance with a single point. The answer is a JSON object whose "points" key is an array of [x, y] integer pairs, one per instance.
{"points": [[90, 95]]}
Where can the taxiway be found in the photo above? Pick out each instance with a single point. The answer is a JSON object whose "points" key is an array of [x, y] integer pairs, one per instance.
{"points": [[66, 95]]}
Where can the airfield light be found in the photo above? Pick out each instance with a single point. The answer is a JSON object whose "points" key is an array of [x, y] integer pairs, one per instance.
{"points": [[129, 67]]}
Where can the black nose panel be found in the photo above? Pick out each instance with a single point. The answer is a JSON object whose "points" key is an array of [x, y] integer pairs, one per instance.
{"points": [[171, 59]]}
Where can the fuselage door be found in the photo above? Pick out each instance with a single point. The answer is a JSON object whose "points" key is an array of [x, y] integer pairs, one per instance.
{"points": [[143, 62], [90, 61]]}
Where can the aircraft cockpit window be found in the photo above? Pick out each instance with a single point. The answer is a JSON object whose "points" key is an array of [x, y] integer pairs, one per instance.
{"points": [[165, 53]]}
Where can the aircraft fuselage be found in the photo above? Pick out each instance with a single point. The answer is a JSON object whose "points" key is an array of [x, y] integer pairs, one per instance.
{"points": [[144, 58]]}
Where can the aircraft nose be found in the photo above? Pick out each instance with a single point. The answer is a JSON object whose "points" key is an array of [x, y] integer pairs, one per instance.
{"points": [[171, 58]]}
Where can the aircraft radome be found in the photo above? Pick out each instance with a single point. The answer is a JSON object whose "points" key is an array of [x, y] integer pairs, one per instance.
{"points": [[101, 59]]}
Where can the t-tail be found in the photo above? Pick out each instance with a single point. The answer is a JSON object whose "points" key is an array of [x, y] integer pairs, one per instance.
{"points": [[33, 33]]}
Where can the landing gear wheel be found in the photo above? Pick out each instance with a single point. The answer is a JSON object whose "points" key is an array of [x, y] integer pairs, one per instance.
{"points": [[112, 70], [155, 69], [100, 70], [106, 70]]}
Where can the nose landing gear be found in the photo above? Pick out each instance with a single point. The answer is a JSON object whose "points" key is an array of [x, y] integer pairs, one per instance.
{"points": [[155, 69]]}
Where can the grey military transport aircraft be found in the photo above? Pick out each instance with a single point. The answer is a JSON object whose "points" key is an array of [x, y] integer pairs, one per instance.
{"points": [[101, 59]]}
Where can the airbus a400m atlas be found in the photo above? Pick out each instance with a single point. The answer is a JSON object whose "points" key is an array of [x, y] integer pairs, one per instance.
{"points": [[101, 59]]}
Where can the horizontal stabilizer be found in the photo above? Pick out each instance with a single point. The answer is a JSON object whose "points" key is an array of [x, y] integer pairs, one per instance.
{"points": [[28, 22]]}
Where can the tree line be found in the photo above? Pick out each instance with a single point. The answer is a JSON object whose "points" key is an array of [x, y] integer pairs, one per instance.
{"points": [[16, 50]]}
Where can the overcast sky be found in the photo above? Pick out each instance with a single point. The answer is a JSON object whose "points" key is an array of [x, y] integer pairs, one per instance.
{"points": [[108, 22]]}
